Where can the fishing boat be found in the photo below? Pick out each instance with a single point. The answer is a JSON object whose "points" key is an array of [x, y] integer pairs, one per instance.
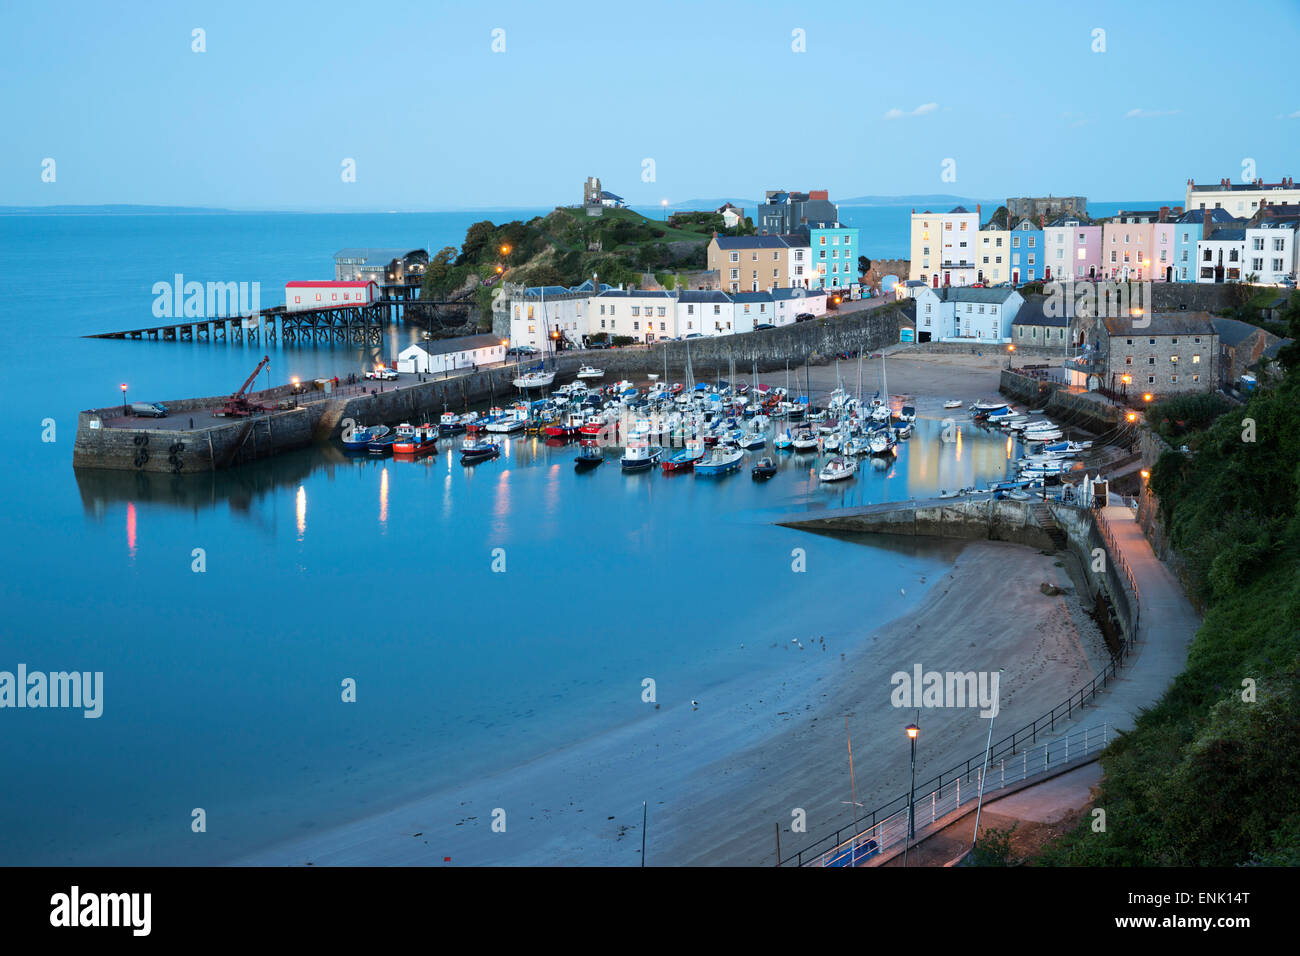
{"points": [[361, 438], [512, 421], [589, 457], [588, 372], [568, 428], [639, 456], [383, 445], [763, 469], [908, 413], [451, 424], [838, 469], [719, 461], [952, 403], [474, 450], [684, 460], [420, 440]]}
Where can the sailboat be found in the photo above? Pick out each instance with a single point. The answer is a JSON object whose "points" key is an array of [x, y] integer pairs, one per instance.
{"points": [[881, 412], [538, 377]]}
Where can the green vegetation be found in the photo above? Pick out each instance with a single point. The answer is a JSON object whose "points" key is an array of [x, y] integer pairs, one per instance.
{"points": [[1175, 417], [994, 848], [1210, 776]]}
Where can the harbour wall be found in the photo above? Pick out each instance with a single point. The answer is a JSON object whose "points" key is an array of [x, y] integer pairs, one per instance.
{"points": [[1085, 409], [973, 520]]}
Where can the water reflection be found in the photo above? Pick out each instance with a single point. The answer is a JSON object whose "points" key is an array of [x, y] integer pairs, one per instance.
{"points": [[301, 511]]}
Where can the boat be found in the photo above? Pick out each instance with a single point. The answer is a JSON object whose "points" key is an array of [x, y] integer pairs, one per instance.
{"points": [[451, 424], [588, 372], [420, 440], [763, 469], [857, 445], [783, 442], [361, 438], [805, 441], [639, 455], [838, 469], [684, 460], [474, 450], [719, 461], [908, 413], [571, 426], [952, 403], [534, 379], [512, 421], [383, 445], [589, 457], [881, 442]]}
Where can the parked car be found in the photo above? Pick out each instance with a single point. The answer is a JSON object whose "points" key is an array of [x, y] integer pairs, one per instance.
{"points": [[382, 374], [149, 409], [696, 335], [602, 344], [521, 350], [764, 325], [804, 317]]}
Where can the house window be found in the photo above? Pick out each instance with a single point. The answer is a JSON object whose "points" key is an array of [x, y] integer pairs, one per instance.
{"points": [[1196, 359], [734, 257], [1173, 379], [1151, 379], [1128, 360]]}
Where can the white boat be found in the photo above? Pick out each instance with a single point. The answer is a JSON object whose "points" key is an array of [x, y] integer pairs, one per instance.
{"points": [[639, 455], [752, 440], [952, 403], [588, 372], [534, 380], [511, 421], [985, 407], [881, 442], [805, 441], [838, 469]]}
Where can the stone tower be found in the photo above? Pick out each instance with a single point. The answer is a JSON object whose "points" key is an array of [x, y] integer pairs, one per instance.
{"points": [[591, 192]]}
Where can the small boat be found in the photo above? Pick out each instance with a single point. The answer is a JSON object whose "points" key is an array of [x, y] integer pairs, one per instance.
{"points": [[639, 456], [383, 445], [420, 440], [908, 413], [588, 372], [534, 380], [838, 469], [362, 437], [719, 462], [512, 421], [571, 426], [450, 424], [881, 442], [783, 442], [805, 441], [763, 469], [474, 450], [952, 403], [684, 460], [589, 457]]}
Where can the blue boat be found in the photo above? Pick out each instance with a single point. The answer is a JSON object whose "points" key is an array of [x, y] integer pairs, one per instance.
{"points": [[383, 445], [362, 437], [474, 450], [720, 461]]}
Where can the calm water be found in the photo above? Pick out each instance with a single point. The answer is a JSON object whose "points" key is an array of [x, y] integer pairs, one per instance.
{"points": [[222, 689]]}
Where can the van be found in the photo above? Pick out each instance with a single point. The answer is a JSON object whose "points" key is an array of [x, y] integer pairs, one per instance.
{"points": [[149, 409]]}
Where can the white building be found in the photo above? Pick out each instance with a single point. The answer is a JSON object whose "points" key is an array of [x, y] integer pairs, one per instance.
{"points": [[1270, 251], [705, 312], [543, 312], [1221, 257], [448, 355], [943, 247], [644, 316], [966, 315], [732, 216], [799, 264], [328, 294], [789, 303], [1241, 200], [992, 255]]}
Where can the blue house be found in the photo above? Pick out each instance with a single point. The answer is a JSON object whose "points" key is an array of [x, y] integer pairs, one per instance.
{"points": [[1189, 229], [1027, 254], [835, 254]]}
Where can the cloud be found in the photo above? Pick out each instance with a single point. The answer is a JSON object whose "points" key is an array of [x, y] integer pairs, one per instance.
{"points": [[1295, 115], [919, 111], [1139, 113]]}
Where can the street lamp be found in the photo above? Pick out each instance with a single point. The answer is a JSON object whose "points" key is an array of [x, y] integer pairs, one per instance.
{"points": [[912, 731], [124, 411], [1010, 353], [1147, 397], [295, 391], [1132, 416], [505, 250], [664, 203]]}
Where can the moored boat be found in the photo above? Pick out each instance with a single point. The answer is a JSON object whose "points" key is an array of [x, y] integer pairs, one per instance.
{"points": [[639, 455], [360, 438], [420, 440], [588, 372], [474, 450], [838, 469], [763, 469], [685, 459], [589, 457], [719, 461]]}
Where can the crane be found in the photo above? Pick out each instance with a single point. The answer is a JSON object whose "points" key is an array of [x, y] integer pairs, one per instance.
{"points": [[237, 405]]}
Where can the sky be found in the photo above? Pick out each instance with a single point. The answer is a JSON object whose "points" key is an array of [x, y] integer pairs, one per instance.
{"points": [[439, 105]]}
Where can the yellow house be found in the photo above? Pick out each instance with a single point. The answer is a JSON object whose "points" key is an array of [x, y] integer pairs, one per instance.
{"points": [[992, 256], [750, 263]]}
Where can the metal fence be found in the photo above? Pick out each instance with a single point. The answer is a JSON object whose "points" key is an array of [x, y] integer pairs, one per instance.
{"points": [[1133, 605], [930, 807]]}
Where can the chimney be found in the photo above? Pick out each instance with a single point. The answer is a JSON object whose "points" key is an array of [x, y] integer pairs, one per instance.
{"points": [[1164, 214], [1205, 221], [1040, 221], [979, 212]]}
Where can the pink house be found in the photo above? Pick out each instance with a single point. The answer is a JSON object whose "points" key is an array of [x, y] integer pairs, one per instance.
{"points": [[1126, 242], [1087, 252]]}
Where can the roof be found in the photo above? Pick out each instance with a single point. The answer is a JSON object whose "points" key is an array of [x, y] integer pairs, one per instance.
{"points": [[953, 293], [1033, 312], [702, 295], [1162, 323], [1235, 187], [1217, 214], [913, 283], [464, 343], [1226, 235], [743, 297], [589, 286], [786, 293], [1233, 332], [329, 283], [1272, 350], [633, 293], [606, 194], [537, 291], [376, 255], [750, 242]]}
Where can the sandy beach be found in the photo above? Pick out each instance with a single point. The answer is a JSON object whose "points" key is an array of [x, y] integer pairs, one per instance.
{"points": [[717, 778]]}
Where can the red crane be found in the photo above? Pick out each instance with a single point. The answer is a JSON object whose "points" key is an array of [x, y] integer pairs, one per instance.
{"points": [[237, 405]]}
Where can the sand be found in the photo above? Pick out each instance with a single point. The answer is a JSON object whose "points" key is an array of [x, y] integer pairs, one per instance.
{"points": [[718, 778]]}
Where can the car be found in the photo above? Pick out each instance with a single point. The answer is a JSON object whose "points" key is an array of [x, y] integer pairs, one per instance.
{"points": [[382, 374], [695, 335], [804, 317], [601, 344], [148, 409], [521, 350], [764, 325]]}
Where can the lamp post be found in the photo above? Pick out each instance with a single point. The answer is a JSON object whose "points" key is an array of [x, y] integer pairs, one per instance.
{"points": [[912, 732], [1011, 351], [124, 408], [295, 391]]}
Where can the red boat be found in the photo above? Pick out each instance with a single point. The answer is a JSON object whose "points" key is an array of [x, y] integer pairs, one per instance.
{"points": [[596, 426], [569, 428], [683, 460], [419, 440], [677, 387]]}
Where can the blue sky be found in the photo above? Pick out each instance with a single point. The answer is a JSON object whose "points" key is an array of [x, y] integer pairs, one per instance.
{"points": [[434, 119]]}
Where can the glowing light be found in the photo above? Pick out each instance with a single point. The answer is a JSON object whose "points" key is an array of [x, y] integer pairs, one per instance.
{"points": [[1145, 474], [130, 528], [300, 509], [912, 731], [1147, 397], [383, 496], [1132, 416]]}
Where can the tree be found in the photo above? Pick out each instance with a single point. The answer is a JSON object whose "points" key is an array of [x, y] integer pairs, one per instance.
{"points": [[999, 218], [440, 273], [864, 265]]}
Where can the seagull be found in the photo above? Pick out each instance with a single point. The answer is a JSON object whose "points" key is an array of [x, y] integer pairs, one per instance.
{"points": [[695, 704], [902, 592]]}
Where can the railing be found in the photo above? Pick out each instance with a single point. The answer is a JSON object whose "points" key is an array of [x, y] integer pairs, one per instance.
{"points": [[1003, 772], [1117, 560], [1009, 745]]}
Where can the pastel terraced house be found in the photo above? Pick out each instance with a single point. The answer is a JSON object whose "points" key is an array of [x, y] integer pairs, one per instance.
{"points": [[1071, 250], [943, 247], [993, 255], [835, 257], [749, 263], [1026, 252]]}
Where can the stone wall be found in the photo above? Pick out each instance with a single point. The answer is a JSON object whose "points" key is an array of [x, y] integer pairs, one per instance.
{"points": [[1197, 297], [982, 520], [1088, 410]]}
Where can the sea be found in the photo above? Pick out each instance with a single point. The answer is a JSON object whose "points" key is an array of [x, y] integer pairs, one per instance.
{"points": [[307, 640]]}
